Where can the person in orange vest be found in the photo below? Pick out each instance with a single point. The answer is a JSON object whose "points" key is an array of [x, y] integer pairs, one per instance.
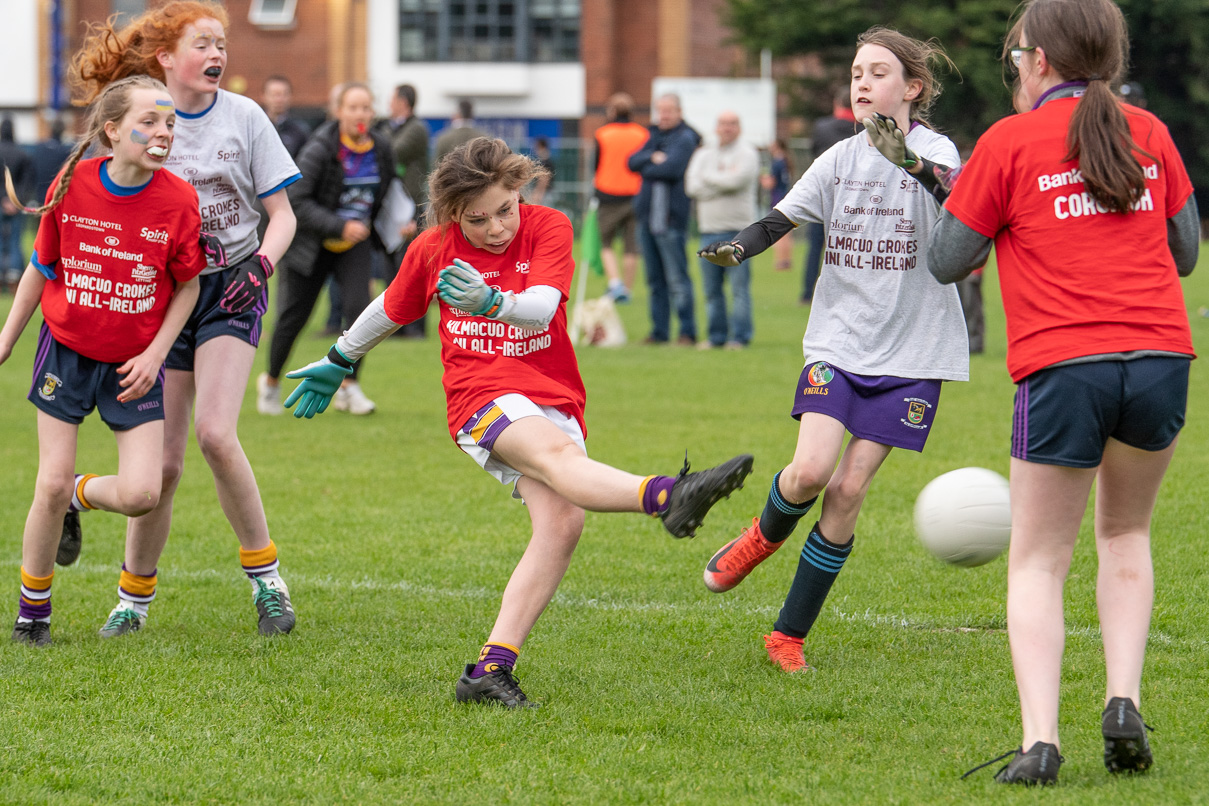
{"points": [[616, 186]]}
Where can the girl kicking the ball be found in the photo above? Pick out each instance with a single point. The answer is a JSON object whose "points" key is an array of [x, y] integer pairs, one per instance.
{"points": [[882, 336], [1098, 345], [115, 271], [227, 149], [502, 271]]}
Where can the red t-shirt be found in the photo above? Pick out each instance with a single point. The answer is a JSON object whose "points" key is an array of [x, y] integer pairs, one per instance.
{"points": [[483, 358], [118, 259], [1076, 281]]}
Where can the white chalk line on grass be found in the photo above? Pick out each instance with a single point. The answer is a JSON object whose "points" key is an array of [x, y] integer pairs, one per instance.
{"points": [[867, 616]]}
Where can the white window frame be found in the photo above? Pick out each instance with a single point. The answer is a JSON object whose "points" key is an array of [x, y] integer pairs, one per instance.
{"points": [[273, 19]]}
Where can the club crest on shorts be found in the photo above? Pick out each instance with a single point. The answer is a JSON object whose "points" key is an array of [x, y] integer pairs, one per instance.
{"points": [[49, 385], [820, 374], [915, 412]]}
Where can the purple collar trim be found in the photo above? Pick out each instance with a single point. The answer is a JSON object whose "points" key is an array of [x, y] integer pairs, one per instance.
{"points": [[1067, 89]]}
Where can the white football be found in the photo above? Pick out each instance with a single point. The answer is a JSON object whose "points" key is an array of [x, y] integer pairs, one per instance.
{"points": [[964, 517]]}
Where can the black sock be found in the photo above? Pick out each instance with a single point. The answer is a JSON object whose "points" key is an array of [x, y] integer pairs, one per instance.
{"points": [[780, 517], [818, 567]]}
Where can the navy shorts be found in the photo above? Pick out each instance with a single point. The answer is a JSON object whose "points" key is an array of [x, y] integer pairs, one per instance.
{"points": [[208, 321], [880, 408], [68, 386], [1065, 415]]}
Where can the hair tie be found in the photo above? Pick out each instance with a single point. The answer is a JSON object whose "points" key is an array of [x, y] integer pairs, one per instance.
{"points": [[1097, 78]]}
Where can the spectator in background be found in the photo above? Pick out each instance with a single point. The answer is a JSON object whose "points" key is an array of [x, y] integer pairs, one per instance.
{"points": [[616, 186], [835, 128], [461, 130], [48, 157], [541, 186], [276, 96], [722, 179], [17, 163], [662, 209], [409, 142], [345, 167], [777, 182]]}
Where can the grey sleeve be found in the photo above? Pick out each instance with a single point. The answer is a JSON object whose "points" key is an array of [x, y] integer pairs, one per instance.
{"points": [[955, 250], [1184, 237]]}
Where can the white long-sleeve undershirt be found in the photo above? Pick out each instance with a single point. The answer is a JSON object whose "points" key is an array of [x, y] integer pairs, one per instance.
{"points": [[532, 309]]}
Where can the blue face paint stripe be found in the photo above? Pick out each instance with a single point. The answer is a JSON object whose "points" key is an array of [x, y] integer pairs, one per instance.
{"points": [[139, 138]]}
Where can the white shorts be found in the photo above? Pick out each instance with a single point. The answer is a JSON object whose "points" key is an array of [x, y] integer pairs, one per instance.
{"points": [[477, 437]]}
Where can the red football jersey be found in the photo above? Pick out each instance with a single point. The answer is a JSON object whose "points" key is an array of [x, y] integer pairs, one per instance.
{"points": [[118, 259], [483, 358], [1076, 280]]}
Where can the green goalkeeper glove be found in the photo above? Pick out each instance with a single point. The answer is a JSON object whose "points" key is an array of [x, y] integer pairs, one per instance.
{"points": [[461, 286], [889, 139], [320, 380]]}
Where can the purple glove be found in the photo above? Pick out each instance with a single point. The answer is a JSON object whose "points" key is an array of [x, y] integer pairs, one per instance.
{"points": [[212, 248], [247, 284]]}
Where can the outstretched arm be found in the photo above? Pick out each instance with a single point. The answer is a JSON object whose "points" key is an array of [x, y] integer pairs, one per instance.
{"points": [[25, 302], [753, 240]]}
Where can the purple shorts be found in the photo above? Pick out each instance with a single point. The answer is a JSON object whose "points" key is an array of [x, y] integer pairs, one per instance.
{"points": [[880, 408], [209, 321]]}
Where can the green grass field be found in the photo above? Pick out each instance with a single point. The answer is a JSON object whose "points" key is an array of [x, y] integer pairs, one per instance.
{"points": [[397, 548]]}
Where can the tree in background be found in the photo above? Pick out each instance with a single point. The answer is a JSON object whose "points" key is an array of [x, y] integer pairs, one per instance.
{"points": [[1169, 58]]}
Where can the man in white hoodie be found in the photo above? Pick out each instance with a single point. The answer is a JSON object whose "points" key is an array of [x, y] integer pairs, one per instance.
{"points": [[722, 178]]}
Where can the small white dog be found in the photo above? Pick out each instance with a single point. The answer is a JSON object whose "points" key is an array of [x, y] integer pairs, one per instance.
{"points": [[597, 323]]}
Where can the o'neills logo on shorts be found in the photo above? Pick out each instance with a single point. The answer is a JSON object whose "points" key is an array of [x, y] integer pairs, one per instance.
{"points": [[49, 385], [818, 377]]}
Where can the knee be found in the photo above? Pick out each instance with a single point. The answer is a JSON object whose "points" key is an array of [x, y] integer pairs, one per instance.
{"points": [[802, 481], [172, 472], [847, 490], [55, 493], [565, 528], [216, 444], [137, 500]]}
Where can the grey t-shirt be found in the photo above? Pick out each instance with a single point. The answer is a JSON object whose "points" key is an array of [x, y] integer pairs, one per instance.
{"points": [[877, 309], [231, 154]]}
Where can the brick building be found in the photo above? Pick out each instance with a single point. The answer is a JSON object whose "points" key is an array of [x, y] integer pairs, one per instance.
{"points": [[532, 67]]}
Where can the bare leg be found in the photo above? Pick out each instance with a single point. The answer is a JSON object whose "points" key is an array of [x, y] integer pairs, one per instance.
{"points": [[52, 494], [1047, 505], [820, 440], [537, 449], [557, 525], [1128, 484], [147, 535], [629, 268], [135, 490], [221, 370], [848, 487], [608, 259]]}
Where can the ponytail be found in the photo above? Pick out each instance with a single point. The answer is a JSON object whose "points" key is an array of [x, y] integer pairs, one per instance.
{"points": [[1088, 41], [1100, 141]]}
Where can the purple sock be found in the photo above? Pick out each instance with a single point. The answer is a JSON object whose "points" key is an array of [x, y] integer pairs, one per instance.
{"points": [[494, 656], [656, 494], [26, 608]]}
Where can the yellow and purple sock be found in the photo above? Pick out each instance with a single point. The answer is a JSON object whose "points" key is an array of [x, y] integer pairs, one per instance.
{"points": [[78, 502], [34, 604], [493, 657], [655, 493], [137, 589], [259, 562]]}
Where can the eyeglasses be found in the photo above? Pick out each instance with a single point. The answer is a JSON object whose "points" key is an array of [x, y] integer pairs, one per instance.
{"points": [[1018, 53]]}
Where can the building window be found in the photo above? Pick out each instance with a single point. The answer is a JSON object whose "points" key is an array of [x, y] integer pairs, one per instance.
{"points": [[127, 9], [489, 30], [273, 14]]}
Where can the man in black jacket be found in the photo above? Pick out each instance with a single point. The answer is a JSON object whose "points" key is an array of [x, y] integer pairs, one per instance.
{"points": [[17, 162]]}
